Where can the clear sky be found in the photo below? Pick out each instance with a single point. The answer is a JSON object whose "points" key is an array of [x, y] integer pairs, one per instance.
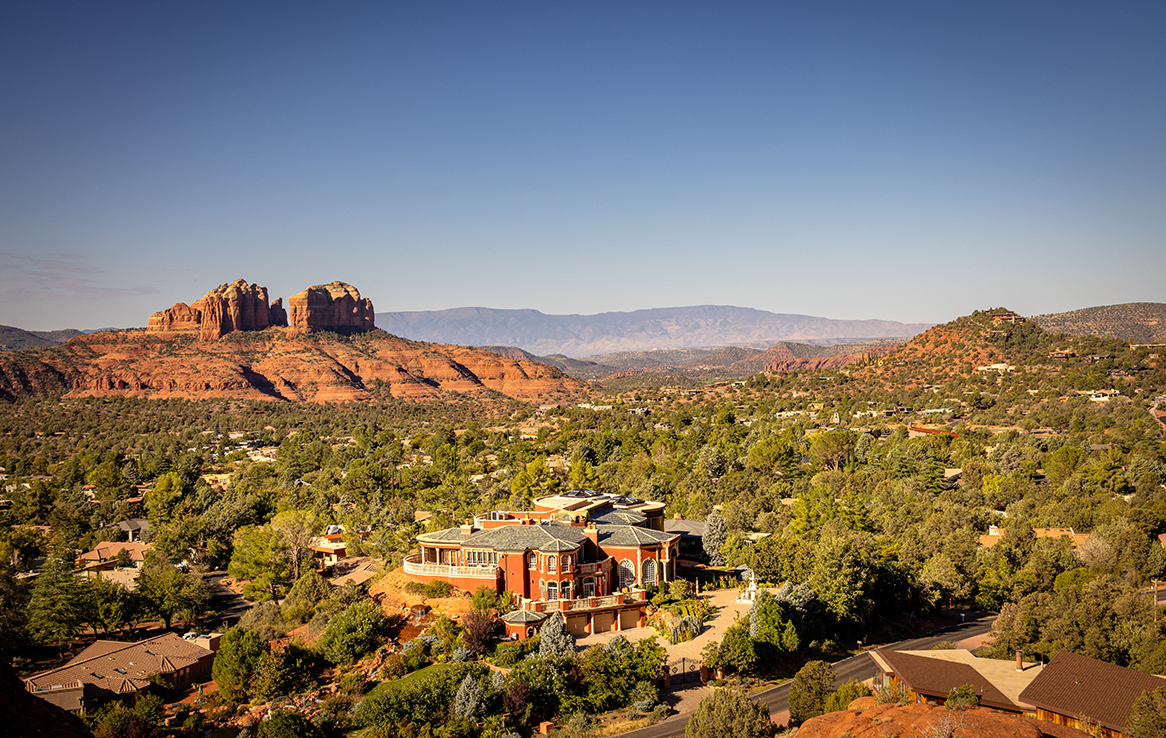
{"points": [[905, 161]]}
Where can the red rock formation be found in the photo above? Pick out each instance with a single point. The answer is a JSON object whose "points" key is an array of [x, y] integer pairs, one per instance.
{"points": [[227, 308], [890, 721], [269, 366], [328, 307]]}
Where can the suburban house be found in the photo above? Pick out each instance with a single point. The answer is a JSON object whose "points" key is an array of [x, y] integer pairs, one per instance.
{"points": [[103, 557], [1081, 692], [110, 669], [583, 554], [1070, 690]]}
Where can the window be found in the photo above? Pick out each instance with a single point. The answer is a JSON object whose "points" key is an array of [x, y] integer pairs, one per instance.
{"points": [[552, 591], [566, 591], [648, 572], [589, 587], [567, 563], [542, 590], [627, 574], [551, 564], [532, 561]]}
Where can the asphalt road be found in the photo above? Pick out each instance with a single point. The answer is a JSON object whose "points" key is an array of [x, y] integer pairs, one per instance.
{"points": [[227, 606], [858, 667]]}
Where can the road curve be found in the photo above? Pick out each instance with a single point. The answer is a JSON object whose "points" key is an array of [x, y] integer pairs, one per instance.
{"points": [[858, 667]]}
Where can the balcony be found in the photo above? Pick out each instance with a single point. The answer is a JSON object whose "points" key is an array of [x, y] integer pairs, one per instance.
{"points": [[414, 565], [595, 567], [633, 597]]}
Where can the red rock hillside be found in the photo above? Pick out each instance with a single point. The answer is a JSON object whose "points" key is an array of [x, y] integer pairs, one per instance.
{"points": [[867, 720], [274, 364]]}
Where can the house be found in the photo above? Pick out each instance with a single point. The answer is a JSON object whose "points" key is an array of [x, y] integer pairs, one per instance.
{"points": [[134, 528], [928, 676], [329, 547], [583, 554], [995, 535], [104, 557], [110, 669], [1081, 692]]}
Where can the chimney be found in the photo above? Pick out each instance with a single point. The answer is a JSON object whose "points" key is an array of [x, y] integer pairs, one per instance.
{"points": [[1020, 660], [592, 534]]}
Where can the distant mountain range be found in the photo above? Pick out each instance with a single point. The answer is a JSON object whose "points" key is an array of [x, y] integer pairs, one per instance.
{"points": [[697, 326], [18, 339], [1138, 322]]}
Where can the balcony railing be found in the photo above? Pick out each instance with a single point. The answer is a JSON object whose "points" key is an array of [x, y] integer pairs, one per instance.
{"points": [[414, 565], [586, 603], [595, 567]]}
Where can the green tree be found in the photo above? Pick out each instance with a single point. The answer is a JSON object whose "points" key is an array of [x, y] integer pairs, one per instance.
{"points": [[169, 591], [736, 649], [843, 576], [832, 448], [729, 712], [352, 633], [809, 690], [261, 558], [55, 605], [239, 655], [1148, 715]]}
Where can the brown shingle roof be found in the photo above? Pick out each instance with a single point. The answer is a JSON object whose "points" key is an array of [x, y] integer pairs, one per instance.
{"points": [[936, 677], [1078, 686], [110, 666]]}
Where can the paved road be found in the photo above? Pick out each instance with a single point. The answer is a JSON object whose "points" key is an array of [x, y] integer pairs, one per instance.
{"points": [[858, 667], [227, 606]]}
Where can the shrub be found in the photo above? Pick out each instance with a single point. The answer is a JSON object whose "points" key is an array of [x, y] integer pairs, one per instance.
{"points": [[841, 698], [809, 690], [729, 712], [435, 589], [962, 697], [685, 630], [352, 633]]}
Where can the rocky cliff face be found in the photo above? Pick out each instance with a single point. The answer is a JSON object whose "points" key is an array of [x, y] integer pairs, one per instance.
{"points": [[330, 307], [237, 306], [274, 365]]}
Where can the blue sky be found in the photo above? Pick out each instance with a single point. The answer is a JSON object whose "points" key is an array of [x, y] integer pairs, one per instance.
{"points": [[905, 161]]}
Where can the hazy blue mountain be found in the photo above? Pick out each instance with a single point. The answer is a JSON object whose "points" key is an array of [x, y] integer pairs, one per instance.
{"points": [[640, 330], [17, 339]]}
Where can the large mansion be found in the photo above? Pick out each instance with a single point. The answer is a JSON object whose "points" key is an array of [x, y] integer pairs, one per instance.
{"points": [[582, 553]]}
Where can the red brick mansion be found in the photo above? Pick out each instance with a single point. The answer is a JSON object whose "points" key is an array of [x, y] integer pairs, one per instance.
{"points": [[583, 554]]}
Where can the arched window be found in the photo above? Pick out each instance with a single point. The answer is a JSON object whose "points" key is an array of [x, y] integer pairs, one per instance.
{"points": [[565, 593], [567, 563], [589, 587], [542, 590], [627, 574], [648, 572], [551, 564], [532, 561], [552, 590]]}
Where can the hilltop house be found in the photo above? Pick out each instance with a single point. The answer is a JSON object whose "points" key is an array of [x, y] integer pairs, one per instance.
{"points": [[112, 669], [583, 554]]}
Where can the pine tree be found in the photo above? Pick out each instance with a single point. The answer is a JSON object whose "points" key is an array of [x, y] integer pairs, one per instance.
{"points": [[54, 607], [554, 640], [470, 700], [715, 535]]}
